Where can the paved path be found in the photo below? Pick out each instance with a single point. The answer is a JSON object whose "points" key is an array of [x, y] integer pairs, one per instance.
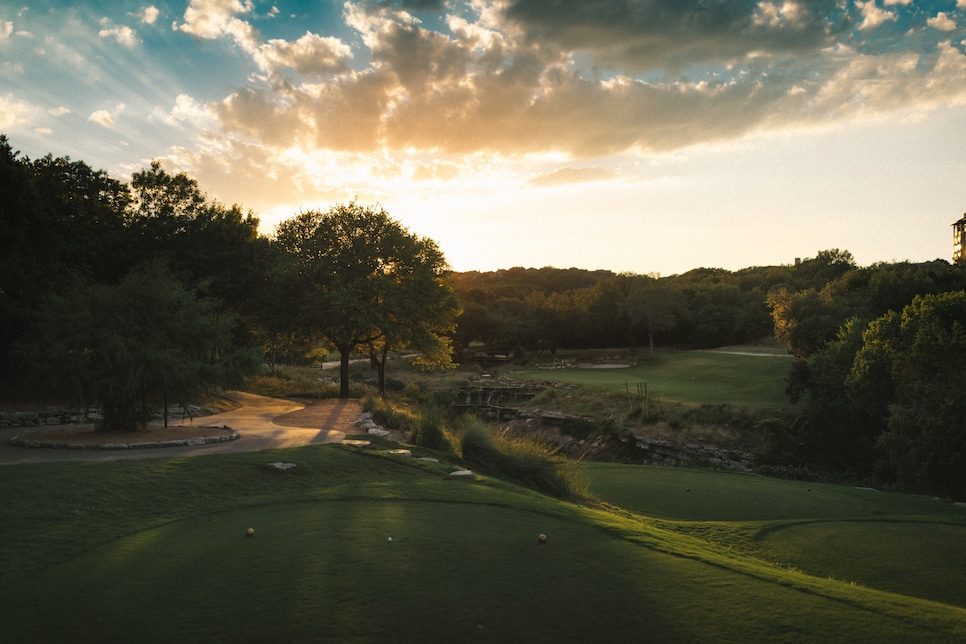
{"points": [[254, 420]]}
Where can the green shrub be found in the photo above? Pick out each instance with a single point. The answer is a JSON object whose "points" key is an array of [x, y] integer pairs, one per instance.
{"points": [[526, 460], [726, 415], [579, 428], [412, 391], [443, 398], [582, 428]]}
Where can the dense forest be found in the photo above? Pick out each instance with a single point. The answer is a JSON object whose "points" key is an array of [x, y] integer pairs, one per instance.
{"points": [[542, 310], [880, 351]]}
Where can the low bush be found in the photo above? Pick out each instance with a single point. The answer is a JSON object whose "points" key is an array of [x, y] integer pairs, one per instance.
{"points": [[582, 428], [578, 428], [726, 415]]}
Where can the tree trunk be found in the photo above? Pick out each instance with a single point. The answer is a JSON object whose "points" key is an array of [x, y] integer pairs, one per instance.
{"points": [[344, 373], [382, 370]]}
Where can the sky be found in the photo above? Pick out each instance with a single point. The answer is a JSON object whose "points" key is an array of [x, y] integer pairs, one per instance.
{"points": [[647, 136]]}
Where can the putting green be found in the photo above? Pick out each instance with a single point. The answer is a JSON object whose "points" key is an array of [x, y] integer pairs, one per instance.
{"points": [[453, 571], [889, 555]]}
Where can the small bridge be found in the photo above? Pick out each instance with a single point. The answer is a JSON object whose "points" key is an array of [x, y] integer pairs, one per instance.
{"points": [[493, 400]]}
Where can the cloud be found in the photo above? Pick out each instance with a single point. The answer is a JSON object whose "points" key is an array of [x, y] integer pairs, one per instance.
{"points": [[58, 111], [310, 54], [212, 19], [7, 30], [675, 34], [262, 177], [122, 34], [43, 130], [12, 112], [102, 117], [436, 171], [149, 15], [187, 109], [566, 176], [491, 86], [942, 22], [513, 79], [872, 16], [186, 112]]}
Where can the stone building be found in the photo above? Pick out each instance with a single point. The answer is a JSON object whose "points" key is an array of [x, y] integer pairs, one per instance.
{"points": [[959, 240]]}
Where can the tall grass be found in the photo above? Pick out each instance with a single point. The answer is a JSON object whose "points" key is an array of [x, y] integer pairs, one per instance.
{"points": [[429, 429], [527, 460], [387, 414]]}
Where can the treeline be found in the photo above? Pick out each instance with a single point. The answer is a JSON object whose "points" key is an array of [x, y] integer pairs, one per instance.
{"points": [[880, 372], [880, 351], [178, 289], [543, 310], [121, 293]]}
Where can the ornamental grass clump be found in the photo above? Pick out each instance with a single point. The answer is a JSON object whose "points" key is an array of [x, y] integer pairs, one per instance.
{"points": [[386, 414], [429, 430], [523, 459]]}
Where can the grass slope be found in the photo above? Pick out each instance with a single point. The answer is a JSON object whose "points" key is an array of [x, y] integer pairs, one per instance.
{"points": [[154, 551], [694, 377], [895, 542]]}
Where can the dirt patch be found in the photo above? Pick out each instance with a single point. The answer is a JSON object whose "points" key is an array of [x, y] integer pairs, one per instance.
{"points": [[334, 414], [330, 414]]}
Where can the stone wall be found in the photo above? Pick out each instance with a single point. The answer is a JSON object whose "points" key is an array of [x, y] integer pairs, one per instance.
{"points": [[49, 417], [661, 452], [73, 416]]}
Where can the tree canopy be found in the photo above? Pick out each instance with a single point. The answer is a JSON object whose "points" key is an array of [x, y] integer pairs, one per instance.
{"points": [[911, 369], [362, 282], [141, 340], [880, 369]]}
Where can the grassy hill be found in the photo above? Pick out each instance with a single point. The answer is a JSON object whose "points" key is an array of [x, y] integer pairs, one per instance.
{"points": [[156, 551]]}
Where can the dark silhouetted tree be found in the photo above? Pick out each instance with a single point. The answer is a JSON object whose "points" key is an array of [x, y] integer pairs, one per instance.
{"points": [[141, 340], [360, 279]]}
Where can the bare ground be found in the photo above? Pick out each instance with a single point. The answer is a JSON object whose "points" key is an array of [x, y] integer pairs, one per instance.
{"points": [[331, 414]]}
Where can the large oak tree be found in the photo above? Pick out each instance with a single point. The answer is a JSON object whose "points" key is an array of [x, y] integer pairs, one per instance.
{"points": [[358, 280]]}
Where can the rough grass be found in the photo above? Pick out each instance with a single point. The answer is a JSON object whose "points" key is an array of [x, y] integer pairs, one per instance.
{"points": [[154, 551]]}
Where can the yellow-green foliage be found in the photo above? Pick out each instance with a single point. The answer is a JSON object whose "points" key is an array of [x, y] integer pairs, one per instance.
{"points": [[385, 413]]}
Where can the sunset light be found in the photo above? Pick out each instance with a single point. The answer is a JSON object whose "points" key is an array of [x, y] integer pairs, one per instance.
{"points": [[649, 136]]}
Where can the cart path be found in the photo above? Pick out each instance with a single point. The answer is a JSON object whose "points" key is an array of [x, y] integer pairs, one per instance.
{"points": [[263, 423]]}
